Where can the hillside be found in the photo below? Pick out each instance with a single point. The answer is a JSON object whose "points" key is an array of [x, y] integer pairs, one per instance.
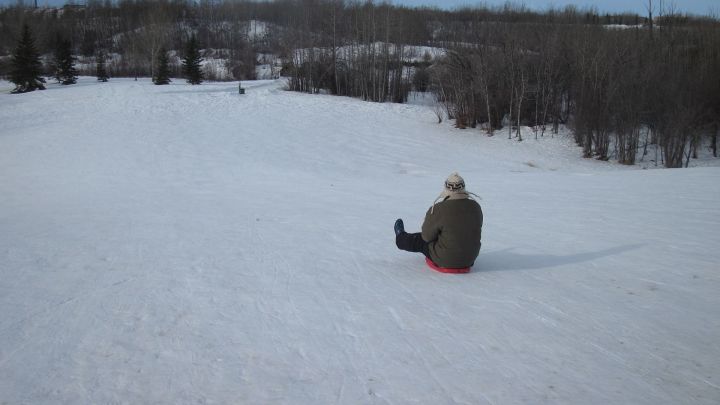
{"points": [[185, 244]]}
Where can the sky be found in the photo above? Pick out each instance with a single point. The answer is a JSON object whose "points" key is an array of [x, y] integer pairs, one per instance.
{"points": [[702, 7]]}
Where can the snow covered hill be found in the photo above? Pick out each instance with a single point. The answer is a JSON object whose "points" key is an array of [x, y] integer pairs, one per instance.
{"points": [[178, 244]]}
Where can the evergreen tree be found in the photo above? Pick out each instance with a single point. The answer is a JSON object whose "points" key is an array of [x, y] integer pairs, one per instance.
{"points": [[101, 71], [191, 63], [163, 69], [26, 66], [64, 63]]}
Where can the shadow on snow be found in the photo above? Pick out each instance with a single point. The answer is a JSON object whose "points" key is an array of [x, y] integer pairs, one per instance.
{"points": [[500, 260]]}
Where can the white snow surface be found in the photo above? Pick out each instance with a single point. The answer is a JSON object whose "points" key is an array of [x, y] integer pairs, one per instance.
{"points": [[187, 244]]}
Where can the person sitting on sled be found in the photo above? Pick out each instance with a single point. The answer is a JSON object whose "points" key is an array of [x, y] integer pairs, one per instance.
{"points": [[451, 232]]}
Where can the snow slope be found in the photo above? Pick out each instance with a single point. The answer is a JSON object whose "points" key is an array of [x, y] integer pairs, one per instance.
{"points": [[178, 244]]}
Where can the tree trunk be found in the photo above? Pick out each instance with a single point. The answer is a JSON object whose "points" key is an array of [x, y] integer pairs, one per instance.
{"points": [[521, 96], [487, 105]]}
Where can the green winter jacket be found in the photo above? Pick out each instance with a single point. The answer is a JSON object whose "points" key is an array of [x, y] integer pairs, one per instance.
{"points": [[453, 229]]}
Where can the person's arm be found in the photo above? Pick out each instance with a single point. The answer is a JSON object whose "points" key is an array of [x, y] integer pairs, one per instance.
{"points": [[431, 225]]}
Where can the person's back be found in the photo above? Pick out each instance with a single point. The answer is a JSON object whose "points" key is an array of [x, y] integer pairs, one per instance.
{"points": [[452, 229]]}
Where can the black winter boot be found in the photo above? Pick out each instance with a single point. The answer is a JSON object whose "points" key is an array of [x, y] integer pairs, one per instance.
{"points": [[399, 227]]}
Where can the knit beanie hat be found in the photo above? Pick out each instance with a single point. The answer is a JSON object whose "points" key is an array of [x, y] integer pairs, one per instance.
{"points": [[454, 189], [454, 184]]}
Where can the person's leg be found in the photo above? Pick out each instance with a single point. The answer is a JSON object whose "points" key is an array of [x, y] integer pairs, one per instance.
{"points": [[411, 242]]}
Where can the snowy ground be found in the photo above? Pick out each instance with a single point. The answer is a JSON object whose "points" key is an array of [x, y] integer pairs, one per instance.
{"points": [[178, 244]]}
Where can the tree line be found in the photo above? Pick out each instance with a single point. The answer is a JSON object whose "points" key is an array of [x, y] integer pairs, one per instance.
{"points": [[620, 90], [129, 34], [27, 74]]}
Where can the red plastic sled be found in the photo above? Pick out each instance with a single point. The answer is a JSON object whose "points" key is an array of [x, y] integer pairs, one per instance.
{"points": [[435, 267]]}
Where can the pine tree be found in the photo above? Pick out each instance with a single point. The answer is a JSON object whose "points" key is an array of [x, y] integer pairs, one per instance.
{"points": [[26, 66], [163, 69], [64, 63], [101, 71], [191, 63]]}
